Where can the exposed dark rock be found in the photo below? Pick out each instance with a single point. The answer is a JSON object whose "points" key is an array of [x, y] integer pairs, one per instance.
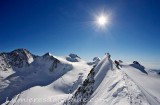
{"points": [[137, 65], [17, 58], [83, 93]]}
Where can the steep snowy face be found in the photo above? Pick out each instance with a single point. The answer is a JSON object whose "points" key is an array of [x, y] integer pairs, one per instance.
{"points": [[94, 79], [81, 96], [16, 59], [47, 61], [58, 90], [20, 70], [107, 85]]}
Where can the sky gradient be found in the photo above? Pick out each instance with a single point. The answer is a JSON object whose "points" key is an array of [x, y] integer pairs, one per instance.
{"points": [[67, 26]]}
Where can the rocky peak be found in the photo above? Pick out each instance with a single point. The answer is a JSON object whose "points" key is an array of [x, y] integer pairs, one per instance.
{"points": [[18, 58], [74, 56], [47, 54], [137, 65], [95, 61], [83, 93]]}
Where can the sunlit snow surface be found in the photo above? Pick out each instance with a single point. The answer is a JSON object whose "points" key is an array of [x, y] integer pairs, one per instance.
{"points": [[125, 86]]}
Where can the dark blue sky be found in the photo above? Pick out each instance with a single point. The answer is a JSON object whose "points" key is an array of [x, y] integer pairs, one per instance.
{"points": [[65, 26]]}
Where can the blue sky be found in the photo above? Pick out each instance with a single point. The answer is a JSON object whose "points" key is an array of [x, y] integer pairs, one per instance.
{"points": [[66, 26]]}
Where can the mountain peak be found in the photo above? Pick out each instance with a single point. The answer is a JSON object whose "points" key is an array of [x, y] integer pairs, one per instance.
{"points": [[19, 57], [73, 58], [47, 54], [74, 55], [137, 65], [21, 50]]}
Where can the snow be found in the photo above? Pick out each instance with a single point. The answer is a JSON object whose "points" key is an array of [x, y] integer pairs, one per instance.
{"points": [[114, 87], [148, 84], [117, 89], [39, 73], [105, 66], [153, 72], [57, 91], [52, 80]]}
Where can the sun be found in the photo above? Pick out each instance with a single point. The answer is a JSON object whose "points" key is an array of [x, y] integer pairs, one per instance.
{"points": [[102, 20]]}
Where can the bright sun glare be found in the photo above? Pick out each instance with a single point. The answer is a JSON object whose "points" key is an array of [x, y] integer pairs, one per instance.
{"points": [[102, 20]]}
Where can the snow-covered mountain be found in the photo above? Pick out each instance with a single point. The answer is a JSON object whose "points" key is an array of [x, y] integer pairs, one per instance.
{"points": [[16, 59], [107, 85], [20, 70], [28, 79]]}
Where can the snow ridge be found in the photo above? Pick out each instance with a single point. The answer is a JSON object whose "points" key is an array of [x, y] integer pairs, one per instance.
{"points": [[24, 75], [94, 78], [107, 85]]}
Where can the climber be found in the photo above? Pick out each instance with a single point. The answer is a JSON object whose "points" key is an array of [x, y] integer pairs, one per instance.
{"points": [[117, 64], [108, 55], [109, 58]]}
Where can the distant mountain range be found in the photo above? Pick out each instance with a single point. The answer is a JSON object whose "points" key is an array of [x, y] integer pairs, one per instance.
{"points": [[28, 79]]}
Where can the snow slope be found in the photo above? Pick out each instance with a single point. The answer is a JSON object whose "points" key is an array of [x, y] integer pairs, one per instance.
{"points": [[115, 87], [26, 79], [20, 70], [50, 86], [56, 92], [147, 83], [42, 71]]}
